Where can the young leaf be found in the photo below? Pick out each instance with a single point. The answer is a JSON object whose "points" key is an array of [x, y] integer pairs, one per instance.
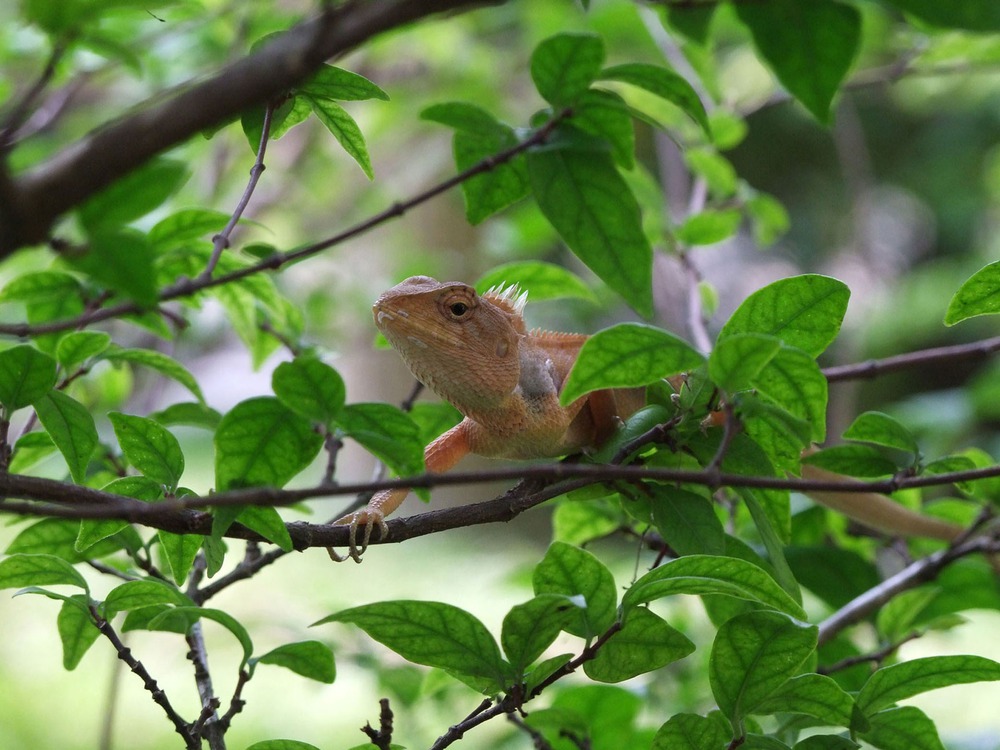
{"points": [[625, 356], [803, 311], [184, 226], [150, 448], [571, 571], [894, 683], [530, 628], [77, 631], [709, 226], [388, 433], [877, 428], [71, 428], [814, 695], [19, 570], [26, 376], [134, 195], [809, 46], [563, 66], [262, 443], [665, 84], [584, 197], [331, 82], [691, 732], [344, 129], [433, 634], [310, 659], [154, 360], [463, 116], [310, 388], [645, 642], [705, 574], [539, 279], [753, 655], [717, 171], [736, 360], [904, 728], [145, 593], [180, 551], [493, 190], [79, 346]]}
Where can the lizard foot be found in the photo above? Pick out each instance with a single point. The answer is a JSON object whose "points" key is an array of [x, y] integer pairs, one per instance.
{"points": [[369, 518]]}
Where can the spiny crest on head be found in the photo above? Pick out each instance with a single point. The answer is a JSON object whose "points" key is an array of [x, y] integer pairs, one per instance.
{"points": [[511, 298]]}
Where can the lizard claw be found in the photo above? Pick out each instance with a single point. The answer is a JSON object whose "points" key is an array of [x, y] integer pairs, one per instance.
{"points": [[369, 518]]}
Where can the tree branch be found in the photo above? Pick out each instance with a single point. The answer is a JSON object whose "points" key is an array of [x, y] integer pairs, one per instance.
{"points": [[45, 193]]}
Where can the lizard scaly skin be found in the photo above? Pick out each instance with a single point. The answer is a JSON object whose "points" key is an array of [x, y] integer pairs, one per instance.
{"points": [[476, 353]]}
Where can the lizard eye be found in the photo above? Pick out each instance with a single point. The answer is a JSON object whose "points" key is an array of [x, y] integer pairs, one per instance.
{"points": [[458, 309]]}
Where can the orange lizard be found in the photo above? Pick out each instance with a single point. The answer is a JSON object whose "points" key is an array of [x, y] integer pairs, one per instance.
{"points": [[476, 353]]}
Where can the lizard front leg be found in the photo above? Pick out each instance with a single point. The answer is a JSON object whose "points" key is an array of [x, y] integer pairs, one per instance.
{"points": [[442, 454]]}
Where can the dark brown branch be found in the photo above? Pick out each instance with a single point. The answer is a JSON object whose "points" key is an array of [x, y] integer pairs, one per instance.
{"points": [[188, 287], [125, 654], [44, 194]]}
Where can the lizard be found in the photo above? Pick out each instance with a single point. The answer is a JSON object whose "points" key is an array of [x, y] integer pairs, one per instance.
{"points": [[476, 352]]}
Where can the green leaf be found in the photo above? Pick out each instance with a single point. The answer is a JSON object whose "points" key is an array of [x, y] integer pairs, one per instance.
{"points": [[894, 683], [768, 218], [877, 428], [463, 116], [26, 376], [605, 115], [189, 414], [146, 593], [283, 745], [814, 695], [664, 83], [41, 286], [691, 732], [38, 570], [150, 448], [753, 655], [77, 347], [974, 15], [905, 728], [331, 82], [121, 260], [180, 551], [154, 360], [563, 66], [717, 171], [493, 190], [345, 130], [77, 631], [898, 617], [706, 574], [30, 449], [268, 523], [311, 659], [190, 615], [625, 356], [184, 226], [809, 46], [826, 742], [71, 428], [530, 628], [709, 226], [980, 295], [134, 195], [803, 311], [586, 200], [58, 537], [580, 522], [541, 280], [574, 572], [852, 460], [310, 388], [262, 443], [736, 360], [388, 433], [433, 634], [687, 521], [645, 642], [794, 381]]}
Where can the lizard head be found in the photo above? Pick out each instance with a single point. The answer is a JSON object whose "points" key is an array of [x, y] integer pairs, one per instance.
{"points": [[461, 345]]}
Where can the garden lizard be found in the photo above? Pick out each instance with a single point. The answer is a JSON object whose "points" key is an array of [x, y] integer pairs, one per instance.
{"points": [[476, 352]]}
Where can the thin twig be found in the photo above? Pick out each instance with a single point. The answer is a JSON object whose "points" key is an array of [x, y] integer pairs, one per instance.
{"points": [[220, 242], [877, 657], [19, 114]]}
